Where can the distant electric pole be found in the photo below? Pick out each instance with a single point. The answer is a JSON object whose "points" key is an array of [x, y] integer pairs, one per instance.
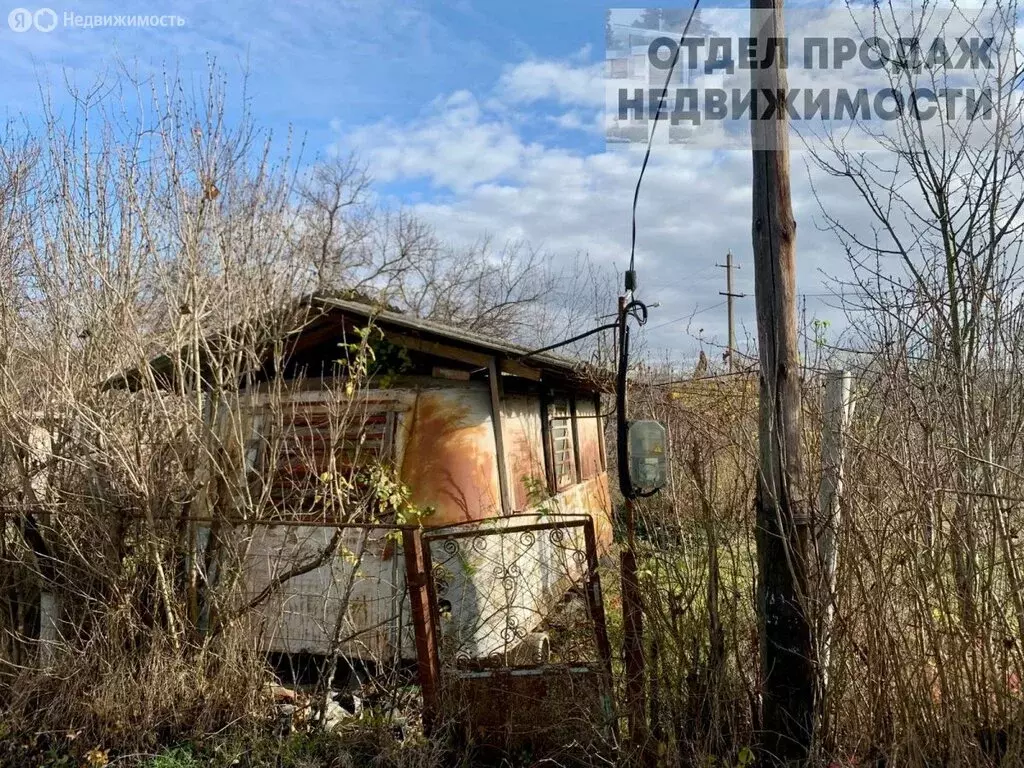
{"points": [[729, 296]]}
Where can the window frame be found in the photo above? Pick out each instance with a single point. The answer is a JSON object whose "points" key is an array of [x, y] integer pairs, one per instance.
{"points": [[560, 482], [268, 428]]}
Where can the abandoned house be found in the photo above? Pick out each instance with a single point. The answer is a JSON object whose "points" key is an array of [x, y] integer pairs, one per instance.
{"points": [[477, 429]]}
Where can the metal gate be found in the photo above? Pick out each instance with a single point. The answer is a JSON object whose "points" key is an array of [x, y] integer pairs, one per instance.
{"points": [[519, 630]]}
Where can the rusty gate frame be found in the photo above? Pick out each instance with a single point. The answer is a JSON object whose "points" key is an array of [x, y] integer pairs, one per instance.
{"points": [[426, 612]]}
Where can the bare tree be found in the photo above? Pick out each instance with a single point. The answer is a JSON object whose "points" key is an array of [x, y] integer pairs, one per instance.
{"points": [[935, 299], [511, 290]]}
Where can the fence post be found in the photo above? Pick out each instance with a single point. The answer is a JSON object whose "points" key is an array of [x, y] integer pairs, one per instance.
{"points": [[595, 601], [428, 660], [49, 632], [834, 424], [633, 652]]}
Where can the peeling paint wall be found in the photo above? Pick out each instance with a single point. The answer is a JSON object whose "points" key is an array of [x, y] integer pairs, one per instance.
{"points": [[588, 429], [448, 455], [445, 451], [524, 447]]}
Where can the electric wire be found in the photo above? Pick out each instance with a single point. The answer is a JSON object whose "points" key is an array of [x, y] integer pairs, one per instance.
{"points": [[654, 127], [566, 342], [719, 305]]}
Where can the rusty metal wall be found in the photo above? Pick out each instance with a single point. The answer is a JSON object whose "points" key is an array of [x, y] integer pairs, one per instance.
{"points": [[524, 448], [445, 451], [444, 446], [447, 454], [588, 432]]}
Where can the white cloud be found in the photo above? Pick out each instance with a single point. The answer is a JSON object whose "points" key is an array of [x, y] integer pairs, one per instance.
{"points": [[580, 120], [569, 83], [694, 205], [456, 145]]}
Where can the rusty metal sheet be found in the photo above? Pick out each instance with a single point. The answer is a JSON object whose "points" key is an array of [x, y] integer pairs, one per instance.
{"points": [[524, 448], [448, 456], [588, 431]]}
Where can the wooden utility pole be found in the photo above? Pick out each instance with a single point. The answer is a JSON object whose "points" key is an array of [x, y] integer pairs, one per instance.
{"points": [[729, 296], [783, 523]]}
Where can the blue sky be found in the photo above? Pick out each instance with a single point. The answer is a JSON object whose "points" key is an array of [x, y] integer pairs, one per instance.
{"points": [[481, 116], [319, 66]]}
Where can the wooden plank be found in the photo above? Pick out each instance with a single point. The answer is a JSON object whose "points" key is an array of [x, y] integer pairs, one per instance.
{"points": [[438, 349], [468, 356], [450, 374], [494, 382], [834, 425], [514, 368], [428, 657]]}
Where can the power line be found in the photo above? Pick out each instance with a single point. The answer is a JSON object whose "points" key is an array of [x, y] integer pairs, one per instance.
{"points": [[833, 295], [687, 317], [698, 379], [631, 275]]}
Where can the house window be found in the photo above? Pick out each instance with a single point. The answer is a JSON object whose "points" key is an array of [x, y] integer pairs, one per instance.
{"points": [[312, 453], [563, 450]]}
